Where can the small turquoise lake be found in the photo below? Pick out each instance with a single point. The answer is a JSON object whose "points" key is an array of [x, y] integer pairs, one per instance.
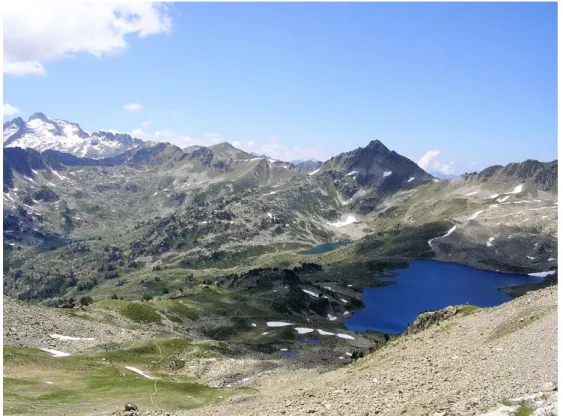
{"points": [[429, 285]]}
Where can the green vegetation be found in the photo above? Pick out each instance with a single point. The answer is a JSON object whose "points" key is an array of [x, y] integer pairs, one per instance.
{"points": [[524, 410], [135, 311], [102, 381]]}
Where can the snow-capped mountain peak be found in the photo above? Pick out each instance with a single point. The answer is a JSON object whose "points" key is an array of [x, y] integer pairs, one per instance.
{"points": [[42, 133]]}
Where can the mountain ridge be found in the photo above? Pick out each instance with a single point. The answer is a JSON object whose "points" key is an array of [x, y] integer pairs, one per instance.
{"points": [[43, 133]]}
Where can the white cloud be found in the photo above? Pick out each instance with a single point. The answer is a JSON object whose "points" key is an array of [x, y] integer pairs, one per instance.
{"points": [[146, 123], [50, 31], [429, 163], [250, 143], [237, 144], [10, 110], [133, 107], [280, 151]]}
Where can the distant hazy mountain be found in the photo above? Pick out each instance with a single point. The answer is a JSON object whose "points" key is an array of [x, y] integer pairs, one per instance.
{"points": [[42, 133], [307, 166]]}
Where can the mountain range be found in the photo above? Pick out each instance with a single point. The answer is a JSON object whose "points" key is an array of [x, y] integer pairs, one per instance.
{"points": [[218, 206], [42, 133]]}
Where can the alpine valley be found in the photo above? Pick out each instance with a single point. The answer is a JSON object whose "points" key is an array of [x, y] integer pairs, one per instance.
{"points": [[176, 278]]}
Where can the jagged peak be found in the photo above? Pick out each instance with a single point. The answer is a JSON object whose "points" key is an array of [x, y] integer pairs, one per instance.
{"points": [[18, 121], [39, 116], [376, 145]]}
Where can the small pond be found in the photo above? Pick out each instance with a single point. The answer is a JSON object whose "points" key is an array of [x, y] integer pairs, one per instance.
{"points": [[429, 285]]}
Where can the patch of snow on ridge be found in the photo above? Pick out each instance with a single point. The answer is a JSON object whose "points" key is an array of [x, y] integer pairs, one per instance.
{"points": [[310, 293], [517, 189], [304, 330], [345, 336], [503, 199], [62, 178], [411, 179], [55, 353], [313, 172], [352, 173], [140, 372], [444, 236], [277, 324], [472, 193], [67, 338], [331, 318], [387, 173], [350, 219], [475, 215], [321, 332], [490, 242], [542, 274]]}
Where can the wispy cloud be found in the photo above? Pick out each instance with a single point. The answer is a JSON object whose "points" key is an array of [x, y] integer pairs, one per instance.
{"points": [[133, 107], [10, 110], [145, 124], [50, 31], [429, 163]]}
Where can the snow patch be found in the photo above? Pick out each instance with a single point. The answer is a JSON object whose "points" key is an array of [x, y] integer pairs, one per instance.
{"points": [[304, 330], [474, 215], [490, 242], [55, 353], [67, 338], [503, 198], [62, 178], [542, 274], [350, 219], [493, 196], [352, 173], [517, 189], [343, 300], [331, 318], [444, 236], [321, 332], [411, 179], [313, 172], [387, 173], [471, 193], [140, 372], [310, 293], [344, 336], [275, 324]]}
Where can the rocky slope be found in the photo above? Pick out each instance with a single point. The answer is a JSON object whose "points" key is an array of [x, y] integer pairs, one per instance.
{"points": [[41, 133]]}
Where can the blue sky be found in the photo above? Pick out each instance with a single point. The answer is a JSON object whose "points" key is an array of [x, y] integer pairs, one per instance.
{"points": [[474, 84]]}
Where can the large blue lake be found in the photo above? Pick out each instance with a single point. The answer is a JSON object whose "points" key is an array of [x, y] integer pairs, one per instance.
{"points": [[428, 285]]}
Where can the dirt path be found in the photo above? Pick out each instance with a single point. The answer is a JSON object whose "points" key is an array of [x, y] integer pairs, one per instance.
{"points": [[464, 366]]}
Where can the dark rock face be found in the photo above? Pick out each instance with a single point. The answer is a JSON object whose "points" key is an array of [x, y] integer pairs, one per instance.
{"points": [[543, 175], [427, 319], [378, 168]]}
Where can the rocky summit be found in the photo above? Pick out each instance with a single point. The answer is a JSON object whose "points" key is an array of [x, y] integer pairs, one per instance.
{"points": [[147, 279]]}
